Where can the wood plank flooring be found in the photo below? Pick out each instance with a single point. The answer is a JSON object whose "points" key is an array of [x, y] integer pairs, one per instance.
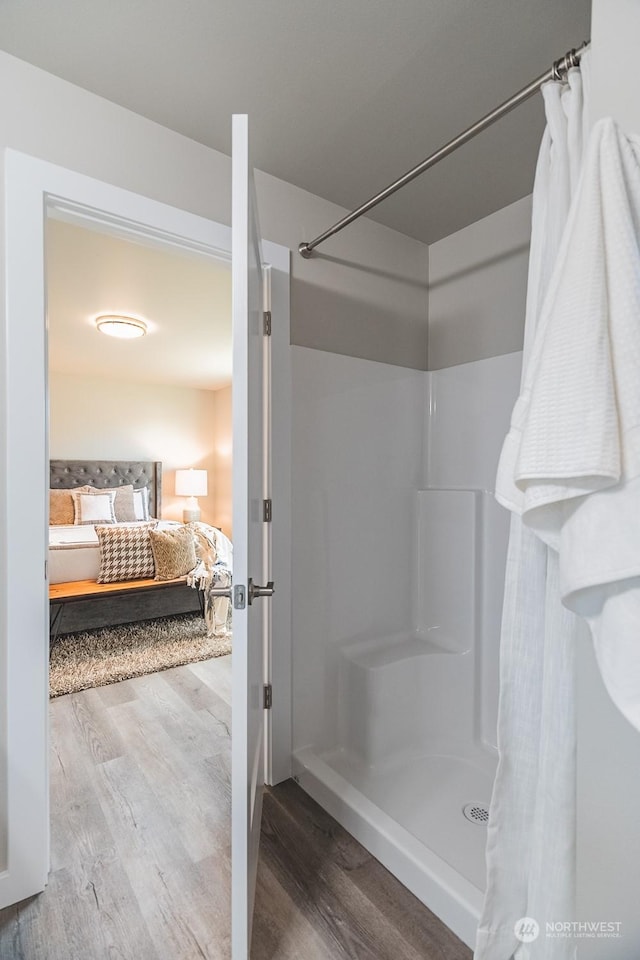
{"points": [[140, 864]]}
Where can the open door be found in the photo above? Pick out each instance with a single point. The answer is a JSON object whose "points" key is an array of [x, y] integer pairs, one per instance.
{"points": [[249, 573]]}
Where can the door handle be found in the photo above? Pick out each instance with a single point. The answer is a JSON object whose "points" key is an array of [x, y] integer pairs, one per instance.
{"points": [[254, 592]]}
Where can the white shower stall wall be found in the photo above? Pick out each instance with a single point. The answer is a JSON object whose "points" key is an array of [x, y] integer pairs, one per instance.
{"points": [[358, 457], [398, 569]]}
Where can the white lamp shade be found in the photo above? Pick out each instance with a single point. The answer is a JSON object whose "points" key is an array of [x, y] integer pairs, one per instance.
{"points": [[191, 483]]}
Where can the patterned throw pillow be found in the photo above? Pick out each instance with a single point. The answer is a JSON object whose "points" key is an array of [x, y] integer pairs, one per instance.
{"points": [[125, 553], [95, 506], [61, 510], [174, 552]]}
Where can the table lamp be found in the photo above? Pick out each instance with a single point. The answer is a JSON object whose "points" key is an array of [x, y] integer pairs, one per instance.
{"points": [[191, 484]]}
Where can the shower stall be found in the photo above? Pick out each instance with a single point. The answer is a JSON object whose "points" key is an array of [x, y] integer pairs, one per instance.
{"points": [[399, 561], [399, 558], [398, 573]]}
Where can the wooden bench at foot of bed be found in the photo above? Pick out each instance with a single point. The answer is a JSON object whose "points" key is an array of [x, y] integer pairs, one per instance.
{"points": [[87, 605]]}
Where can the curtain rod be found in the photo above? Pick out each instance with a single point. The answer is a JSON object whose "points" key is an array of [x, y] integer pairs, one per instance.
{"points": [[558, 71]]}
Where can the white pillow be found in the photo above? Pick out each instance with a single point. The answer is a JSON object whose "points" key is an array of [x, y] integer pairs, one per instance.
{"points": [[94, 507], [141, 503]]}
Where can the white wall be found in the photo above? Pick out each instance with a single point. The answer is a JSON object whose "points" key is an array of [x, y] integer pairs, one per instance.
{"points": [[101, 419], [357, 459], [615, 28], [608, 747], [470, 408], [366, 436]]}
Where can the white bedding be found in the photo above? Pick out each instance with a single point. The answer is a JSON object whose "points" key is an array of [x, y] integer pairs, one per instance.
{"points": [[224, 549], [74, 552]]}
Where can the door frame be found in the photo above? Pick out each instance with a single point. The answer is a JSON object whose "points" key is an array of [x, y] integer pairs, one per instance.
{"points": [[32, 188]]}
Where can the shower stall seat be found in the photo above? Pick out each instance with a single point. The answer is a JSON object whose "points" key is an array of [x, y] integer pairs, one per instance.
{"points": [[412, 771]]}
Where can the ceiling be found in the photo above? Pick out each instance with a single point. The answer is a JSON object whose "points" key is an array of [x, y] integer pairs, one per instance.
{"points": [[184, 297], [343, 96]]}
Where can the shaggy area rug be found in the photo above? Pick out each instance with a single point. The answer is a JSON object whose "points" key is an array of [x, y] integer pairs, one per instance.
{"points": [[98, 657]]}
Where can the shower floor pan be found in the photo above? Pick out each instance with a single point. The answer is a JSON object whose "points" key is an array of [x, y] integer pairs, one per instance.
{"points": [[410, 816]]}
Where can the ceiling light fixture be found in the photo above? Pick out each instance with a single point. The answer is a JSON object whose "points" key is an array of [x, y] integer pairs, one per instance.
{"points": [[126, 328]]}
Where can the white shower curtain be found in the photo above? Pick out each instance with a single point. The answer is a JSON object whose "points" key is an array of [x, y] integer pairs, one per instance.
{"points": [[531, 835]]}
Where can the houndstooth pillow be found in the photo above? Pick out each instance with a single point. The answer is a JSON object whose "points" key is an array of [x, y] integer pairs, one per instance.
{"points": [[125, 553]]}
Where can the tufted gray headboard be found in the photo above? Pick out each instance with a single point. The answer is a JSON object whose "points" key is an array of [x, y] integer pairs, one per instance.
{"points": [[67, 474]]}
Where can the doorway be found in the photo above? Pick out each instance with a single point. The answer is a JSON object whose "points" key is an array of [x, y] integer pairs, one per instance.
{"points": [[32, 187]]}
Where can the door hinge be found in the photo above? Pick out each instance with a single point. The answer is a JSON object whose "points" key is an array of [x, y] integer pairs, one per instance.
{"points": [[267, 700], [267, 510], [266, 329], [239, 597]]}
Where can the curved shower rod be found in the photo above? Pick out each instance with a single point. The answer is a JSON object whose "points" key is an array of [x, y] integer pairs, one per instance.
{"points": [[558, 71]]}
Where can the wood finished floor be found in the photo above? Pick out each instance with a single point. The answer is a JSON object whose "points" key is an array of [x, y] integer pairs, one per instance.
{"points": [[140, 796]]}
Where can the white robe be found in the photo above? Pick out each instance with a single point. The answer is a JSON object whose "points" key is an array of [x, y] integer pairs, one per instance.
{"points": [[531, 853], [571, 462]]}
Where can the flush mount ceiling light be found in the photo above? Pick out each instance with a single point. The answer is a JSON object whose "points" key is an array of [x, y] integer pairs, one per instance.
{"points": [[126, 328]]}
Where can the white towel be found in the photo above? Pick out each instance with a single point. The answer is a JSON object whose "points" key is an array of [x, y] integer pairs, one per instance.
{"points": [[571, 462]]}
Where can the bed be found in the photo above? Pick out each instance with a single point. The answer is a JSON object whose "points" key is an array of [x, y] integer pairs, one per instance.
{"points": [[77, 601]]}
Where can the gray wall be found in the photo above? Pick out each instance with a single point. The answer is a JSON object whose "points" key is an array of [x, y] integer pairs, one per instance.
{"points": [[367, 297], [478, 288]]}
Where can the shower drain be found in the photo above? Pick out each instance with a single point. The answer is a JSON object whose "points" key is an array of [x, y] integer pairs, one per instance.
{"points": [[476, 812]]}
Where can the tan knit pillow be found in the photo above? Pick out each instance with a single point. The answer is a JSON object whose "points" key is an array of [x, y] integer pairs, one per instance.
{"points": [[174, 552], [61, 510]]}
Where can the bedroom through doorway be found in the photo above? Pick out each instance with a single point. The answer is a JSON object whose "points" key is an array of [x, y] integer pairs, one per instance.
{"points": [[138, 426], [140, 664]]}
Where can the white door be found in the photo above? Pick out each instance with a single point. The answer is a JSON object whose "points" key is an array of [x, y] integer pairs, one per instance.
{"points": [[250, 589]]}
